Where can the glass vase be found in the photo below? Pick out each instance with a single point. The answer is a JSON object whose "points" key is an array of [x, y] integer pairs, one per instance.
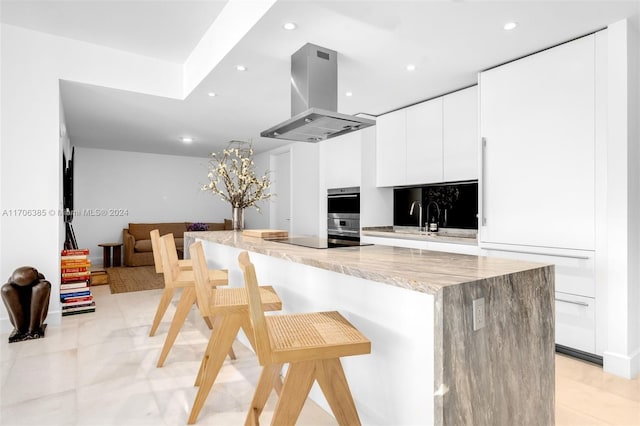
{"points": [[237, 218]]}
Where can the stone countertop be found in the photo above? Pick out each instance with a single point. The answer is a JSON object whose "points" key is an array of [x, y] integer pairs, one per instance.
{"points": [[419, 270], [407, 233]]}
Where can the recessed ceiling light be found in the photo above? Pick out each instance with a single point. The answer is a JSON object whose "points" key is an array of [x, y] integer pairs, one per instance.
{"points": [[289, 26], [510, 25], [411, 67], [186, 139], [241, 68], [348, 94], [211, 94]]}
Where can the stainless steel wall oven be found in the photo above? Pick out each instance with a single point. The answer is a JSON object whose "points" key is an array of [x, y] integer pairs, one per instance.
{"points": [[343, 208]]}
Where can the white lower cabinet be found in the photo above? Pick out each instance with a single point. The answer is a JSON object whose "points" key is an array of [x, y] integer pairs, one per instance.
{"points": [[575, 289], [576, 322], [575, 269]]}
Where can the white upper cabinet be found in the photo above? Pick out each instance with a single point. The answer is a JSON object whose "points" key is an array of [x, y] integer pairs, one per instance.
{"points": [[424, 143], [391, 148], [460, 135], [538, 178], [430, 142]]}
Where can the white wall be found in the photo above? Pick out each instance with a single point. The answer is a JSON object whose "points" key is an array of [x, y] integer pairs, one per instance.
{"points": [[115, 188], [634, 53], [633, 161], [622, 355], [32, 64]]}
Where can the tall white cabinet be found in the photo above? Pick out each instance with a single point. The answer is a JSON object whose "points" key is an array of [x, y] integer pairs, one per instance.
{"points": [[537, 186], [537, 118]]}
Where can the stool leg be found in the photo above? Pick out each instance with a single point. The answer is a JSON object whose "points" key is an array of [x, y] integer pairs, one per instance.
{"points": [[165, 300], [248, 331], [187, 299], [263, 389], [297, 384], [333, 383], [211, 346], [225, 331]]}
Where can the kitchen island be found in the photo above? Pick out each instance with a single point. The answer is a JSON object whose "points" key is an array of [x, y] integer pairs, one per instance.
{"points": [[427, 365]]}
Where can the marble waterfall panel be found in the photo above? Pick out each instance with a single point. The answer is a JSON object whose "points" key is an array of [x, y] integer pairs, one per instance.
{"points": [[504, 372]]}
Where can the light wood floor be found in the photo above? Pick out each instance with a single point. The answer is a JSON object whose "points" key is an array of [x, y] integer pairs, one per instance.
{"points": [[105, 373], [585, 395]]}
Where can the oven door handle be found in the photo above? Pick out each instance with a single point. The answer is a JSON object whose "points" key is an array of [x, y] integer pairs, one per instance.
{"points": [[346, 231], [343, 196]]}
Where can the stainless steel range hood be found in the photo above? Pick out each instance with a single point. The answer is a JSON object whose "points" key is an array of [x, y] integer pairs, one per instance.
{"points": [[314, 99]]}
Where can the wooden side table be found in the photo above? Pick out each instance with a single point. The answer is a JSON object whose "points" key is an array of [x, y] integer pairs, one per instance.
{"points": [[106, 254]]}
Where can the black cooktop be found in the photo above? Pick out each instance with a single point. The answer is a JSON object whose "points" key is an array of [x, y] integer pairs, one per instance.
{"points": [[319, 243]]}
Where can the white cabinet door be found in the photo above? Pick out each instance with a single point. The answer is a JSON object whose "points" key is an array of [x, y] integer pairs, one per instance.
{"points": [[575, 322], [537, 115], [460, 135], [391, 148], [424, 142], [575, 270]]}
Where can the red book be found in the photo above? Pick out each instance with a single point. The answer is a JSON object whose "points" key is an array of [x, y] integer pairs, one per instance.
{"points": [[79, 263], [74, 252], [76, 274], [74, 279], [75, 270], [75, 257]]}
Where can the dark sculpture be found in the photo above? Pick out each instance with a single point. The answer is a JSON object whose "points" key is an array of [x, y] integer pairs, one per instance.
{"points": [[26, 297]]}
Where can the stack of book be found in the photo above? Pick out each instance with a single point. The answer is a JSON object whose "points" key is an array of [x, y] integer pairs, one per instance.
{"points": [[75, 282]]}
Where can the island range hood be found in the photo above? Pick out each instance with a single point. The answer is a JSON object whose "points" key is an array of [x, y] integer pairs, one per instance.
{"points": [[314, 99]]}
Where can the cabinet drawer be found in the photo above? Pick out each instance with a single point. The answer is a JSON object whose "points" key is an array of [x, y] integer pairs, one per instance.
{"points": [[575, 322], [575, 270]]}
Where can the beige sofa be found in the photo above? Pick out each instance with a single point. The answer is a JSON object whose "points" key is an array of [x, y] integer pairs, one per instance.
{"points": [[137, 240]]}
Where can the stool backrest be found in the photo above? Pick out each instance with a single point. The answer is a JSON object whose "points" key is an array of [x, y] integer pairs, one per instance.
{"points": [[170, 266], [155, 247], [204, 291], [256, 313]]}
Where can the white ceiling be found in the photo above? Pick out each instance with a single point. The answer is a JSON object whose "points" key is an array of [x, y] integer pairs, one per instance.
{"points": [[166, 30], [448, 41]]}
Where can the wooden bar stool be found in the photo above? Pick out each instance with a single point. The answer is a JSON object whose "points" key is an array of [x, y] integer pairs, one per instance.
{"points": [[228, 308], [312, 344], [174, 278], [167, 292]]}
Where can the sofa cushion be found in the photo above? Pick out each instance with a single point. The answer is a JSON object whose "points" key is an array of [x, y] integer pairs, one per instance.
{"points": [[177, 229], [228, 224], [143, 245], [141, 231]]}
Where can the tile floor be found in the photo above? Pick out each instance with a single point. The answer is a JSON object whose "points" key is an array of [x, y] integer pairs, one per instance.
{"points": [[99, 369]]}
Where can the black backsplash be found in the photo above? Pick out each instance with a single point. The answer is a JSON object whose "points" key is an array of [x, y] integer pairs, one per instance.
{"points": [[458, 204]]}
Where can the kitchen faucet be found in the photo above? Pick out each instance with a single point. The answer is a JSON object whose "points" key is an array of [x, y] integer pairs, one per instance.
{"points": [[419, 214], [435, 224]]}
